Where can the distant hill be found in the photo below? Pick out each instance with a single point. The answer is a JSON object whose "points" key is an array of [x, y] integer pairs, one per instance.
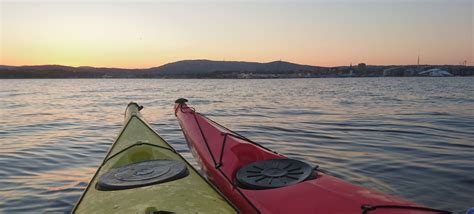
{"points": [[208, 66], [180, 69], [60, 71]]}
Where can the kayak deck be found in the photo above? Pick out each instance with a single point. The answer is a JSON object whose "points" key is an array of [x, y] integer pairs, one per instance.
{"points": [[222, 153], [138, 142]]}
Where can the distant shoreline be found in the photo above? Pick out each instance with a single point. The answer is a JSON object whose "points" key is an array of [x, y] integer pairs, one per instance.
{"points": [[289, 78], [207, 69]]}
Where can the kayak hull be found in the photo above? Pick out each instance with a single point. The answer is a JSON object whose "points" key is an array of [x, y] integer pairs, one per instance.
{"points": [[138, 142], [222, 153]]}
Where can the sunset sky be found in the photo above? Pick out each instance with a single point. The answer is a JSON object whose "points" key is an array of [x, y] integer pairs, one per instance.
{"points": [[140, 34]]}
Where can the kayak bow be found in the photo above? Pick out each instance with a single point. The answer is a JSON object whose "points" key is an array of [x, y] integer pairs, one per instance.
{"points": [[258, 180], [143, 174]]}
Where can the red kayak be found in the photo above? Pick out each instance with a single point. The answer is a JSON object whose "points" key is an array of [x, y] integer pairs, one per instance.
{"points": [[258, 180]]}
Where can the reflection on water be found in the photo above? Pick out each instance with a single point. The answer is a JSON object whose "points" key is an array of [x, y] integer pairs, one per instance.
{"points": [[406, 136]]}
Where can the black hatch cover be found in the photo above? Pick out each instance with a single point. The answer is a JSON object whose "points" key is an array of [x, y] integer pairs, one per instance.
{"points": [[142, 174], [273, 173]]}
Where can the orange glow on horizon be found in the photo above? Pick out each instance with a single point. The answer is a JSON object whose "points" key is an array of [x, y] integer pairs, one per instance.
{"points": [[320, 33]]}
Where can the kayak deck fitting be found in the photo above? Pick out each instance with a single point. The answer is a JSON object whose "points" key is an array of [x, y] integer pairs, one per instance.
{"points": [[258, 180], [142, 173]]}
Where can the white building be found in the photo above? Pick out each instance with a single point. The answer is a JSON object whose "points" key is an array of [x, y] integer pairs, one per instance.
{"points": [[435, 72]]}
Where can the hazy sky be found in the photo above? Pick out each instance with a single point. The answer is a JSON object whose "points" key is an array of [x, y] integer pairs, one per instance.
{"points": [[138, 34]]}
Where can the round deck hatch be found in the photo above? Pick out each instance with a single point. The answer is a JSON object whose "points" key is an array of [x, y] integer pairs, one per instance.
{"points": [[274, 173], [142, 174]]}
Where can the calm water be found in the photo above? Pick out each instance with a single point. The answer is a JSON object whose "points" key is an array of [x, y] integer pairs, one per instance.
{"points": [[412, 137]]}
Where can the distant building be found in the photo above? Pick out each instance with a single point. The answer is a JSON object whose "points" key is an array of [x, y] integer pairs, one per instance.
{"points": [[435, 72], [394, 72], [410, 72], [361, 69]]}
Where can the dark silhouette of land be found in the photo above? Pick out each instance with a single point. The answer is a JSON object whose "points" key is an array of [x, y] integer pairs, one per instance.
{"points": [[233, 69]]}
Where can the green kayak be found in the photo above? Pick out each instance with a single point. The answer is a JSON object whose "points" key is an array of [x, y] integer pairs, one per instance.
{"points": [[143, 174]]}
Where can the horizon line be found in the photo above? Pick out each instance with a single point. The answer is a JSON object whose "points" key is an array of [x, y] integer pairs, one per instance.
{"points": [[144, 68]]}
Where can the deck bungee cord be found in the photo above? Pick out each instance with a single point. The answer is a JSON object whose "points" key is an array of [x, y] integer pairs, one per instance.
{"points": [[367, 208], [216, 165]]}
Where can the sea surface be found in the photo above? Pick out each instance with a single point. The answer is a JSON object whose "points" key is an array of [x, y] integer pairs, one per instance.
{"points": [[411, 137]]}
